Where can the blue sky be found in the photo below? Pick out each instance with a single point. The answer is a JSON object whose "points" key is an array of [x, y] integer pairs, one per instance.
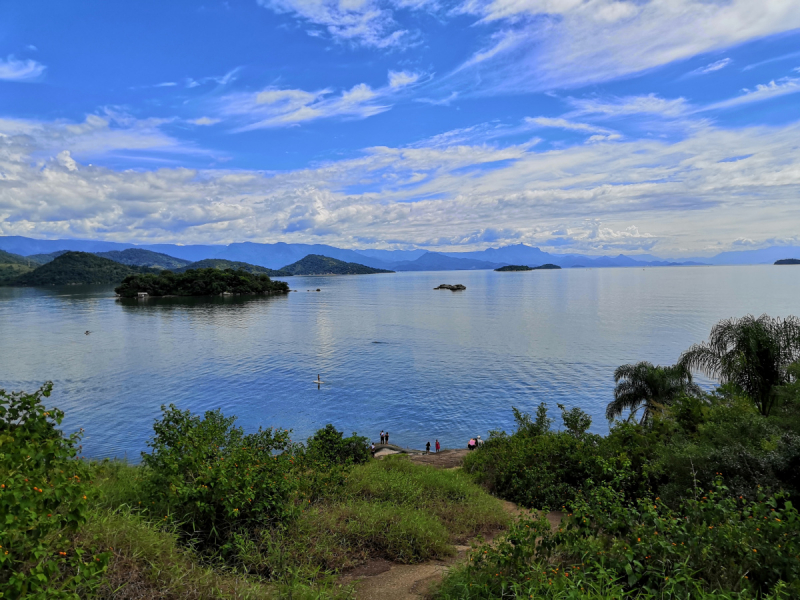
{"points": [[595, 126]]}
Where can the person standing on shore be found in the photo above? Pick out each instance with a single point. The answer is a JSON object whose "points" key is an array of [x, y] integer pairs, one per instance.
{"points": [[387, 437], [427, 447], [383, 436], [437, 446]]}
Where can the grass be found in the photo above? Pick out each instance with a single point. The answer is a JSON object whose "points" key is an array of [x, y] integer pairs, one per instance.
{"points": [[391, 509]]}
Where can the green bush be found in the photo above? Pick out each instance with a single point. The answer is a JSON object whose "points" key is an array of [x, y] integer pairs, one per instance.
{"points": [[714, 545], [724, 433], [214, 478], [43, 500], [328, 446], [539, 468]]}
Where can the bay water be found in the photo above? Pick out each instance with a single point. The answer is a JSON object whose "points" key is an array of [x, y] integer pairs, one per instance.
{"points": [[394, 353]]}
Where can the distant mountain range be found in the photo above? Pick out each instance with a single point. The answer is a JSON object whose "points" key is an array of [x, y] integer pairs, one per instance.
{"points": [[275, 256]]}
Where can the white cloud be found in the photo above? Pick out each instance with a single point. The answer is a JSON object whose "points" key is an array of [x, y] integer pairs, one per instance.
{"points": [[649, 104], [592, 236], [715, 66], [550, 44], [362, 22], [632, 194], [166, 84], [767, 91], [276, 107], [205, 121], [221, 80], [13, 69], [561, 123], [400, 79]]}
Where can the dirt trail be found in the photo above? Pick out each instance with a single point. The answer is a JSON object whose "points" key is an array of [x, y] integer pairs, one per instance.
{"points": [[384, 580]]}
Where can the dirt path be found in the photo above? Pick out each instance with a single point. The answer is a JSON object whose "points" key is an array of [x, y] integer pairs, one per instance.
{"points": [[384, 580]]}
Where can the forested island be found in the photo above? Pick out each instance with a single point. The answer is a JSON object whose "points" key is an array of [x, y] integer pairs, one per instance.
{"points": [[315, 264], [788, 261], [200, 282], [691, 494], [526, 268], [220, 263]]}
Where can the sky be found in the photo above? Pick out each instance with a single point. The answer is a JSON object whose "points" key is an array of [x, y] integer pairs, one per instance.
{"points": [[668, 127]]}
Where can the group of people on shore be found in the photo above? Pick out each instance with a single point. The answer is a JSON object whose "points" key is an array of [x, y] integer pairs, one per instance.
{"points": [[385, 440], [428, 447]]}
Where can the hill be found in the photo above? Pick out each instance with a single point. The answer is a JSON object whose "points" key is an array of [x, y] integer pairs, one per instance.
{"points": [[788, 261], [222, 264], [77, 268], [137, 257], [14, 265], [314, 264]]}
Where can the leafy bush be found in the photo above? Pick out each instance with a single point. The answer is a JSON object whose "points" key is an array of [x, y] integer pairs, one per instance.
{"points": [[714, 545], [214, 478], [724, 433], [539, 468], [328, 446], [43, 499]]}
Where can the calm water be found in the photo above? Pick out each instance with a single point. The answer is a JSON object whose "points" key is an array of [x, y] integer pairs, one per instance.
{"points": [[394, 353]]}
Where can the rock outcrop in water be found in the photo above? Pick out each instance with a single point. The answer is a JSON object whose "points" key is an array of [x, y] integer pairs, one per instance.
{"points": [[456, 288]]}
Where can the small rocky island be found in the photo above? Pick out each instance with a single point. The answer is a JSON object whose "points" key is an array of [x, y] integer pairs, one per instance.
{"points": [[526, 268], [455, 288], [788, 261]]}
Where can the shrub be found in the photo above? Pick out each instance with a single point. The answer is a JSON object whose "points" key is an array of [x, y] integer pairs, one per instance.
{"points": [[214, 478], [43, 499], [328, 446], [714, 545]]}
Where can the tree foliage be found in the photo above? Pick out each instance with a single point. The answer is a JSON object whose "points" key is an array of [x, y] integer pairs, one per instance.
{"points": [[752, 353], [200, 282], [214, 478], [43, 497], [643, 386]]}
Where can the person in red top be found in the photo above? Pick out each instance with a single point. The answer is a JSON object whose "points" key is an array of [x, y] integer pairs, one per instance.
{"points": [[437, 445]]}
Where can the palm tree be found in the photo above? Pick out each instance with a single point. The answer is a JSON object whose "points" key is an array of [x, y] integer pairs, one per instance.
{"points": [[754, 354], [648, 387]]}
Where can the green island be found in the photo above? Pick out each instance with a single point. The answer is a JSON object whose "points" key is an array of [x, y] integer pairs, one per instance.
{"points": [[315, 264], [222, 264], [76, 268], [526, 268], [137, 257], [691, 494], [14, 265], [788, 261], [200, 282]]}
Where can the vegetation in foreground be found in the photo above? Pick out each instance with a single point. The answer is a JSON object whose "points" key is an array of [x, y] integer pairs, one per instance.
{"points": [[200, 282], [693, 496], [214, 512]]}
